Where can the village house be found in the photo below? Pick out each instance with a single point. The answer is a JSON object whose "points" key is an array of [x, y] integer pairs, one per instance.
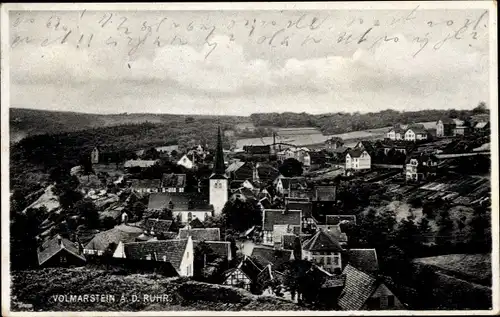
{"points": [[243, 276], [168, 149], [357, 159], [335, 231], [144, 186], [139, 163], [365, 146], [268, 279], [184, 206], [482, 126], [333, 143], [420, 166], [286, 220], [365, 292], [285, 185], [444, 127], [178, 252], [306, 207], [324, 250], [173, 183], [186, 162], [106, 241], [415, 134], [59, 251], [395, 133]]}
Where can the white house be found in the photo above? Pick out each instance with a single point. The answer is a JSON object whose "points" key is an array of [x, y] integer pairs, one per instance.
{"points": [[186, 162], [179, 252], [283, 220], [395, 134], [357, 159], [324, 250], [415, 134]]}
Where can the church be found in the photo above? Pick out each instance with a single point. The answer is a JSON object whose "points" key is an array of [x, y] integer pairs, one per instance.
{"points": [[218, 182]]}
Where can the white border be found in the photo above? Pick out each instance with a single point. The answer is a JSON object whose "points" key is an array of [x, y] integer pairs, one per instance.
{"points": [[493, 102]]}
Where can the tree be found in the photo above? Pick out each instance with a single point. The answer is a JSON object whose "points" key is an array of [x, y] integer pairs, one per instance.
{"points": [[86, 165], [480, 109], [137, 209], [406, 235], [291, 167], [86, 209], [445, 225], [241, 215], [23, 241], [203, 254]]}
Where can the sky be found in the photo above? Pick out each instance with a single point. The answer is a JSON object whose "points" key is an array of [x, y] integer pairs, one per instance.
{"points": [[243, 62]]}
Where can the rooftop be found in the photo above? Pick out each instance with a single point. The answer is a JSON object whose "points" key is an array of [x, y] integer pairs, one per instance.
{"points": [[180, 201], [53, 246], [281, 217], [267, 255], [322, 242], [359, 286], [120, 233], [200, 234], [171, 250], [364, 260]]}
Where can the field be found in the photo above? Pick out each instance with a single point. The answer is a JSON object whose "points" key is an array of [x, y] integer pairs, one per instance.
{"points": [[38, 287], [472, 267]]}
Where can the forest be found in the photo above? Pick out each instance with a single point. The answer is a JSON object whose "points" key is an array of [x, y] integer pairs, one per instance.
{"points": [[342, 122]]}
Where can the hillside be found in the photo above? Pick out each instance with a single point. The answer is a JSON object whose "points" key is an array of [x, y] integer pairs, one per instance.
{"points": [[37, 287], [28, 122]]}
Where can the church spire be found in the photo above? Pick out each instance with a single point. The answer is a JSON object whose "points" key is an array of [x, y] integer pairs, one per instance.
{"points": [[219, 169]]}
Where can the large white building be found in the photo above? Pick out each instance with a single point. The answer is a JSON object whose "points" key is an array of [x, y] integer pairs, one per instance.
{"points": [[357, 159]]}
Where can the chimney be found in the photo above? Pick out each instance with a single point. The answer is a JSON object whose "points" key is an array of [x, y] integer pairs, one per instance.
{"points": [[59, 240], [171, 205], [124, 218]]}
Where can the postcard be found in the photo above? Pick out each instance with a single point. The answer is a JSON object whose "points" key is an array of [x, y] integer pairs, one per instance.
{"points": [[250, 159]]}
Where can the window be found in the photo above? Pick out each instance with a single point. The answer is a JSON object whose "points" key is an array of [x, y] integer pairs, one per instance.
{"points": [[328, 261], [390, 301], [63, 259]]}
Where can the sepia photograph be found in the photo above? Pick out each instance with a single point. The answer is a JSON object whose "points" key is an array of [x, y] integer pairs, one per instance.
{"points": [[250, 158]]}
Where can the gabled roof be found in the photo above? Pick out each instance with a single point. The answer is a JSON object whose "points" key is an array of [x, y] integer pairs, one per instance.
{"points": [[417, 130], [322, 242], [340, 150], [267, 172], [359, 286], [364, 260], [334, 231], [281, 217], [145, 183], [200, 234], [139, 163], [304, 206], [53, 247], [196, 223], [173, 180], [337, 219], [325, 193], [221, 248], [181, 201], [121, 233], [157, 225], [173, 250], [266, 255], [481, 125], [356, 152]]}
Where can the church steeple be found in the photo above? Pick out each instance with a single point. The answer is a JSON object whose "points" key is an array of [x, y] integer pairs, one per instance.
{"points": [[219, 170]]}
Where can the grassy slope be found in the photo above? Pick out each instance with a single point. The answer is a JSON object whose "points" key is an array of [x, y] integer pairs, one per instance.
{"points": [[38, 286], [471, 267], [24, 122]]}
